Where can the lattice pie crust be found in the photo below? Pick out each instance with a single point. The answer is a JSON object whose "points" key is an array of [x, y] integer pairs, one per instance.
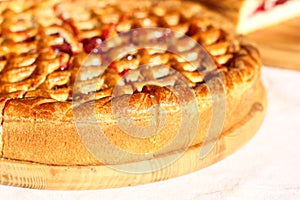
{"points": [[45, 43]]}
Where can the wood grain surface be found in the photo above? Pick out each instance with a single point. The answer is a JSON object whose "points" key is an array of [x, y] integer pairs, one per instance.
{"points": [[32, 175], [280, 44]]}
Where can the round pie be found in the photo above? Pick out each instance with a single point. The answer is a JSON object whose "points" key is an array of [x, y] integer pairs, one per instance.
{"points": [[65, 73]]}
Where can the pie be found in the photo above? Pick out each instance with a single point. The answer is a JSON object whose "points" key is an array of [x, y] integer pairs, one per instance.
{"points": [[250, 15], [53, 76]]}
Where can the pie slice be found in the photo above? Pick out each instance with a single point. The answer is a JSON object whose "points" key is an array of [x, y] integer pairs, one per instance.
{"points": [[250, 15], [64, 75]]}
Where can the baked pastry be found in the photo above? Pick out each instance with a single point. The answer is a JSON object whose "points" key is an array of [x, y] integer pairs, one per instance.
{"points": [[50, 59], [250, 15]]}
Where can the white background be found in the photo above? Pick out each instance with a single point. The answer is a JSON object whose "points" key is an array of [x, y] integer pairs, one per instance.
{"points": [[268, 167]]}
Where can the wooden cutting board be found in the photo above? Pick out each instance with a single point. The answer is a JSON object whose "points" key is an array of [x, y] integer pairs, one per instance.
{"points": [[33, 175], [280, 44]]}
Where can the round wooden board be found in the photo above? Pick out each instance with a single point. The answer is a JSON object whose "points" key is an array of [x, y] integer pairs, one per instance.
{"points": [[32, 175]]}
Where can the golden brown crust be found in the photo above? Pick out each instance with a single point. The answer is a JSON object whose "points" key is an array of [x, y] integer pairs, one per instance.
{"points": [[38, 131], [51, 141], [38, 121]]}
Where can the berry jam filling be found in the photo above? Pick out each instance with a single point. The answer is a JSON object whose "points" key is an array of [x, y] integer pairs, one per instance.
{"points": [[60, 87], [2, 58], [108, 31], [193, 29], [113, 66], [124, 17], [65, 48], [30, 39], [92, 45], [263, 7], [123, 73]]}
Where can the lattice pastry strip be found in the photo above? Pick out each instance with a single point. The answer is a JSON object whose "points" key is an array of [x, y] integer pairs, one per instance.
{"points": [[9, 75], [62, 94], [26, 85], [24, 35], [47, 64]]}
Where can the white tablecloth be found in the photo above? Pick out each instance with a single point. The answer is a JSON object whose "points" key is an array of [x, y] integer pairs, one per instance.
{"points": [[268, 167]]}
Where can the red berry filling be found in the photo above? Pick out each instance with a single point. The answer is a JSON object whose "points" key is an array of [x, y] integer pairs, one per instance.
{"points": [[279, 2], [263, 6], [92, 45], [113, 66], [193, 29], [29, 39], [65, 47], [124, 17], [123, 72], [108, 31], [2, 58]]}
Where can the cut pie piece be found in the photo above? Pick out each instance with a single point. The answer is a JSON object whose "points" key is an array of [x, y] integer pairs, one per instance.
{"points": [[53, 75], [250, 15]]}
